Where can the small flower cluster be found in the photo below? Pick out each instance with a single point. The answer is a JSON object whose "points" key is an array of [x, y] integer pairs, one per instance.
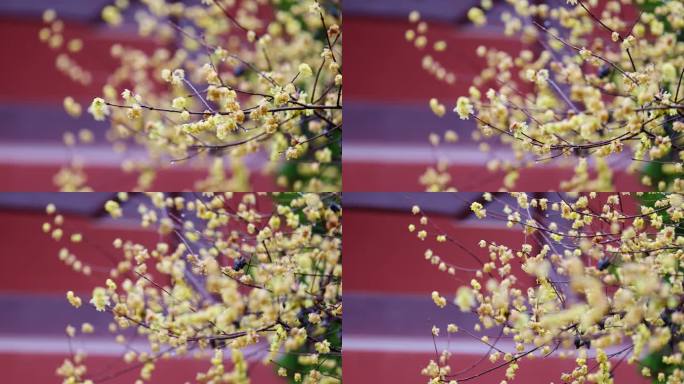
{"points": [[57, 232], [418, 36], [53, 36]]}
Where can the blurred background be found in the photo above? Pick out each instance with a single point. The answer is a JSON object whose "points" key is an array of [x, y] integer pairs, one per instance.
{"points": [[34, 282], [32, 90], [387, 93], [389, 313]]}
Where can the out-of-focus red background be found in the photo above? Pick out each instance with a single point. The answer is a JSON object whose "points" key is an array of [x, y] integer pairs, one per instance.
{"points": [[34, 282], [32, 90], [388, 310], [387, 116]]}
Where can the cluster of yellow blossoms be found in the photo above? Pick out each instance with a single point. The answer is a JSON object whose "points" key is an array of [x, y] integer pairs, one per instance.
{"points": [[597, 87], [227, 80], [57, 232], [598, 277], [257, 273]]}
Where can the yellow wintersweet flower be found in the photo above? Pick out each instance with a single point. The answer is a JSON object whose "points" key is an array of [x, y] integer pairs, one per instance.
{"points": [[100, 299], [113, 208], [305, 71], [73, 299], [465, 299], [477, 16], [439, 301], [99, 109], [437, 108], [478, 209], [463, 108]]}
